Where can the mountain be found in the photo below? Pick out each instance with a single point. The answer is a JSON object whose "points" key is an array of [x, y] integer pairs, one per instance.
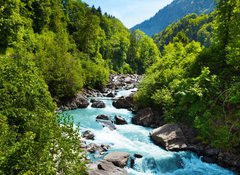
{"points": [[201, 29], [172, 13]]}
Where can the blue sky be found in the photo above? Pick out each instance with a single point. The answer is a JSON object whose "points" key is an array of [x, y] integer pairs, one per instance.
{"points": [[130, 12]]}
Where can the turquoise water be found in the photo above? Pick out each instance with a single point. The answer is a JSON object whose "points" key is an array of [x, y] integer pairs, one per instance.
{"points": [[135, 139]]}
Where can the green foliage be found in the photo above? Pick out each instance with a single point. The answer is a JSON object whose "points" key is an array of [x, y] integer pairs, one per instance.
{"points": [[142, 52], [192, 27], [167, 82], [199, 86], [31, 140], [61, 69], [96, 74]]}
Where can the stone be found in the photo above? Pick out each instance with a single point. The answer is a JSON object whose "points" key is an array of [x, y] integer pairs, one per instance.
{"points": [[102, 117], [124, 102], [93, 100], [119, 120], [170, 137], [81, 101], [119, 159], [104, 167], [111, 94], [88, 135], [138, 155], [144, 117], [98, 104]]}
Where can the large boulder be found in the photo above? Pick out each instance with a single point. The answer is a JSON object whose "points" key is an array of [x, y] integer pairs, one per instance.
{"points": [[169, 136], [148, 117], [144, 117], [98, 104], [79, 101], [119, 120], [105, 167], [124, 102], [119, 159], [88, 135]]}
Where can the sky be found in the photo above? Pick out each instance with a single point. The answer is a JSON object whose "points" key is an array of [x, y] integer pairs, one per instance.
{"points": [[130, 12]]}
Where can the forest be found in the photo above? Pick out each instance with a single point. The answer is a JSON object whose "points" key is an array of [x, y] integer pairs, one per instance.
{"points": [[52, 49]]}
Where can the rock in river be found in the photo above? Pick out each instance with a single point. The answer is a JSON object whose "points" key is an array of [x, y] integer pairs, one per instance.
{"points": [[88, 135], [104, 167], [119, 159], [102, 117], [170, 137], [124, 102], [119, 120], [144, 117], [98, 104]]}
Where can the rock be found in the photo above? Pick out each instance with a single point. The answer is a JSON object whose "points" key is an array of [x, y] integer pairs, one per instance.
{"points": [[144, 117], [119, 120], [211, 152], [111, 94], [119, 159], [88, 135], [208, 159], [128, 80], [107, 123], [104, 167], [170, 137], [105, 147], [79, 101], [98, 104], [102, 117], [94, 148], [132, 162], [124, 102], [138, 155], [93, 100]]}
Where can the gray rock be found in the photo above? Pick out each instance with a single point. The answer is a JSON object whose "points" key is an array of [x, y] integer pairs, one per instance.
{"points": [[170, 137], [104, 167], [119, 120], [81, 101], [98, 104], [119, 159], [124, 102], [88, 135], [144, 117], [111, 94], [94, 148], [102, 117]]}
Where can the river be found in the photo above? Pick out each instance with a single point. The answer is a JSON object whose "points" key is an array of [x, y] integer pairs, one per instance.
{"points": [[135, 139]]}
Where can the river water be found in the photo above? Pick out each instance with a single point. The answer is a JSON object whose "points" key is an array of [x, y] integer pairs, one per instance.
{"points": [[135, 139]]}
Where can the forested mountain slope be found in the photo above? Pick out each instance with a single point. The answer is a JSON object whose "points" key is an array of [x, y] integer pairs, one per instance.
{"points": [[189, 28], [172, 13]]}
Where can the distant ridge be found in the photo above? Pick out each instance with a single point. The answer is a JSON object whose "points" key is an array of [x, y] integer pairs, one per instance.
{"points": [[172, 13]]}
